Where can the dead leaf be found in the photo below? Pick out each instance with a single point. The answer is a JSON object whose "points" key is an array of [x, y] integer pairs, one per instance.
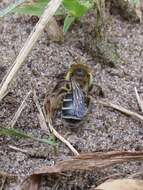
{"points": [[121, 184], [54, 31], [89, 161]]}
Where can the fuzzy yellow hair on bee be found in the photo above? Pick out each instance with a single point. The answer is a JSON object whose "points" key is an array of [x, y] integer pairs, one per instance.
{"points": [[82, 74]]}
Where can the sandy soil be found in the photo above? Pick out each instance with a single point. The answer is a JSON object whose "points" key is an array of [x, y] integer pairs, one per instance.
{"points": [[105, 129]]}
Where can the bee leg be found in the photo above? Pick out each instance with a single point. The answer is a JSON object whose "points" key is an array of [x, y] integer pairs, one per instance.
{"points": [[61, 87], [52, 105], [97, 91], [89, 102], [58, 86], [49, 109]]}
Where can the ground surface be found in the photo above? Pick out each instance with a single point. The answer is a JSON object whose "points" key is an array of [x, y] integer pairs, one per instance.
{"points": [[105, 129]]}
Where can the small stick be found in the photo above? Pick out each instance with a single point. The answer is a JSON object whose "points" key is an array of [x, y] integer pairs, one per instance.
{"points": [[123, 110], [21, 107], [40, 115], [52, 7], [140, 102], [18, 149], [5, 93], [62, 139], [31, 153]]}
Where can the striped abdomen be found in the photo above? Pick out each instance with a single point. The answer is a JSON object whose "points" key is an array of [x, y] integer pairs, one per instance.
{"points": [[74, 106]]}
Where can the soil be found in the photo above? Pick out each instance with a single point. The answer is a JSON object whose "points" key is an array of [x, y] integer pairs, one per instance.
{"points": [[105, 129]]}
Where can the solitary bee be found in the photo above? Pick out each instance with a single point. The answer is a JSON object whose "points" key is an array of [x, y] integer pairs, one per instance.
{"points": [[70, 96]]}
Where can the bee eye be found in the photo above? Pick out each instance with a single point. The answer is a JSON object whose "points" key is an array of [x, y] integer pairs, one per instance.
{"points": [[80, 72]]}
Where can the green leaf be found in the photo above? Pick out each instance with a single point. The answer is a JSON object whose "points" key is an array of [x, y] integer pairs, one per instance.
{"points": [[19, 134], [35, 8], [52, 138], [13, 132], [10, 8], [135, 2], [67, 22], [47, 141], [77, 8]]}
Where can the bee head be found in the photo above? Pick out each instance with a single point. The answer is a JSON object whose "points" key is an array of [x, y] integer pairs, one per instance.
{"points": [[81, 73]]}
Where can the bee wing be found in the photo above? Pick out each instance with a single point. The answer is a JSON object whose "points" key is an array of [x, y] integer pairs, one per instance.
{"points": [[79, 106]]}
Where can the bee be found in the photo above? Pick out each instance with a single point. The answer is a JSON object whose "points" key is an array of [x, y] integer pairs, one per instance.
{"points": [[70, 96]]}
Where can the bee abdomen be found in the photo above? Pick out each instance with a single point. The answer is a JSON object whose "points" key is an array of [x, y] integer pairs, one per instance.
{"points": [[68, 110]]}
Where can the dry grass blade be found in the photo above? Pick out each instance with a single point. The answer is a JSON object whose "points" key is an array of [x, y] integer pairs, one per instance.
{"points": [[21, 107], [140, 102], [62, 139], [32, 152], [123, 110], [5, 94], [89, 161], [40, 116], [17, 149], [53, 5]]}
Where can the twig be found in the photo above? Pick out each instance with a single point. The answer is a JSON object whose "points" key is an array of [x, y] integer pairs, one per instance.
{"points": [[140, 102], [123, 110], [40, 115], [5, 94], [62, 139], [18, 149], [36, 153], [53, 5], [21, 107]]}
